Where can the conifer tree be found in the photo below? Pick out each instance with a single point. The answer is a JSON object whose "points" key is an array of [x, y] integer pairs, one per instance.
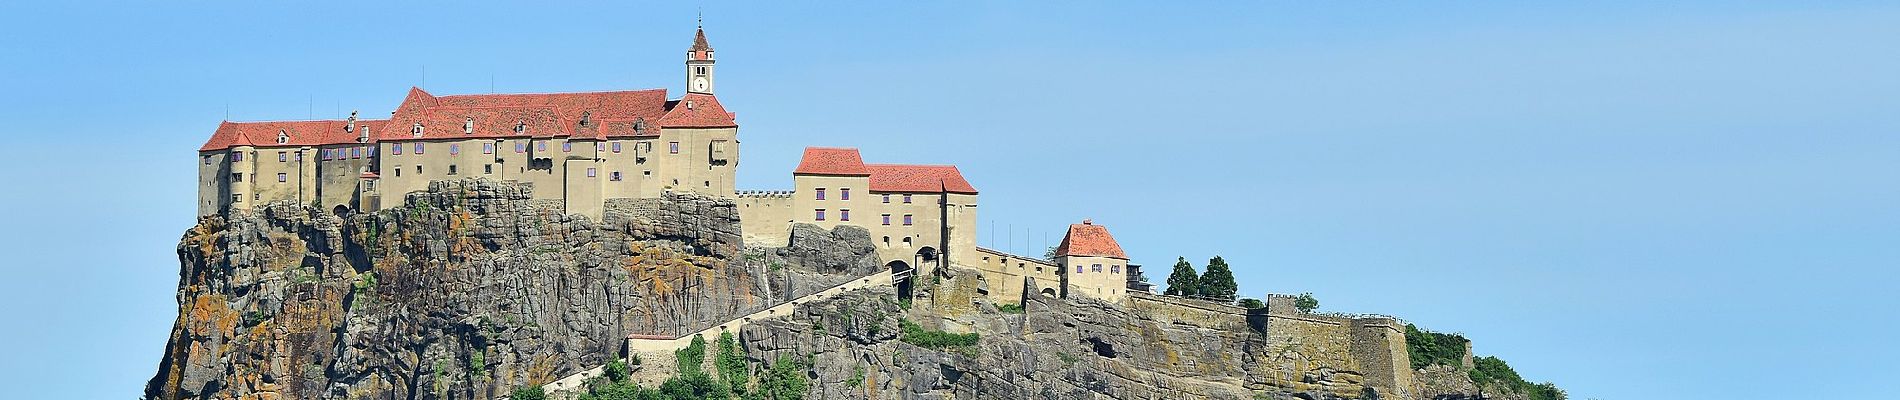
{"points": [[1183, 282], [1218, 283]]}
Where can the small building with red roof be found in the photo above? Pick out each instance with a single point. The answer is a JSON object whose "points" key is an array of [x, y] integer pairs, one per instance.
{"points": [[1092, 263]]}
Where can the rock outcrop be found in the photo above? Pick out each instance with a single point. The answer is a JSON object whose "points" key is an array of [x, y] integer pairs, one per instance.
{"points": [[467, 291]]}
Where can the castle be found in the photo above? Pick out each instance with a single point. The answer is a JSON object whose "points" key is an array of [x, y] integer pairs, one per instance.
{"points": [[581, 149]]}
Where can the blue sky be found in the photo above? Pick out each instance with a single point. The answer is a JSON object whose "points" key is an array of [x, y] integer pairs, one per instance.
{"points": [[1632, 200]]}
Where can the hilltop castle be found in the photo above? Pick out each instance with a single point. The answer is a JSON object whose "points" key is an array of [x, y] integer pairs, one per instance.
{"points": [[583, 148]]}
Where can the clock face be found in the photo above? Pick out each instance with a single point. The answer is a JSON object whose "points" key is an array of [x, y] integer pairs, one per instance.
{"points": [[699, 83]]}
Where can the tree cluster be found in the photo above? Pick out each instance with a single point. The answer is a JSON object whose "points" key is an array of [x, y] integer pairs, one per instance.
{"points": [[1217, 284], [784, 379]]}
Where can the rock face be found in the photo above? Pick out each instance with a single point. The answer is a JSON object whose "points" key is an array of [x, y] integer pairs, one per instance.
{"points": [[471, 289], [1057, 349], [467, 291]]}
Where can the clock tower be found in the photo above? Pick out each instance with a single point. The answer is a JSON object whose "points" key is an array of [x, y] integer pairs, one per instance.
{"points": [[699, 65]]}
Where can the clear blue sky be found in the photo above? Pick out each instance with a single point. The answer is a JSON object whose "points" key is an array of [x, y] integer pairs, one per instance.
{"points": [[1693, 200]]}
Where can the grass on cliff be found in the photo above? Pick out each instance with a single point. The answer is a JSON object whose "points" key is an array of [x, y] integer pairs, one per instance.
{"points": [[1428, 348], [934, 339], [786, 379]]}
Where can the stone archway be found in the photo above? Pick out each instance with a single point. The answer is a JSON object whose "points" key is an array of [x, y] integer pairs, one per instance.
{"points": [[1051, 292], [341, 210], [901, 269]]}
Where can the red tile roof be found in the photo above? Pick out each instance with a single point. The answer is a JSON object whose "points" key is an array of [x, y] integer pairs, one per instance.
{"points": [[831, 161], [697, 110], [918, 178], [542, 115], [296, 133], [1089, 239]]}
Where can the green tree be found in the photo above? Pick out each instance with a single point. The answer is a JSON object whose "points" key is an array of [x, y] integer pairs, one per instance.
{"points": [[1251, 303], [1049, 254], [1306, 303], [731, 362], [691, 357], [1184, 281], [1218, 283]]}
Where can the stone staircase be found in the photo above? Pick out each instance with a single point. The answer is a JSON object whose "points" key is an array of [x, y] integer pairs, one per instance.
{"points": [[656, 352]]}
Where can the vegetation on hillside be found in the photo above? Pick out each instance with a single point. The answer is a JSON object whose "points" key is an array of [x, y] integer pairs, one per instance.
{"points": [[1306, 303], [1428, 348], [933, 339]]}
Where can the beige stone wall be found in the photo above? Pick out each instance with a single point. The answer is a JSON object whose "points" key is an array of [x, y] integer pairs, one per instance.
{"points": [[544, 169], [1006, 275], [765, 217], [705, 162], [214, 181], [336, 179], [895, 240], [1109, 283]]}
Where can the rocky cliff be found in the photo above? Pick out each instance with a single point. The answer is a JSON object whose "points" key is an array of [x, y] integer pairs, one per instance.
{"points": [[468, 290], [471, 289]]}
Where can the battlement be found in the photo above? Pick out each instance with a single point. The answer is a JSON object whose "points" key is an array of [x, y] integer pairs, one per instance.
{"points": [[764, 194]]}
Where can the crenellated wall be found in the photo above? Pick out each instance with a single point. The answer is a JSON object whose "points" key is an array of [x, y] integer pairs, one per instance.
{"points": [[1306, 352]]}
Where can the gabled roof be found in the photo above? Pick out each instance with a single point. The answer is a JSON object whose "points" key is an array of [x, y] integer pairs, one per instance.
{"points": [[697, 110], [831, 161], [296, 133], [1089, 239], [918, 178]]}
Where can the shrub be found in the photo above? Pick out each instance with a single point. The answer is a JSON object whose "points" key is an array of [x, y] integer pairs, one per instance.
{"points": [[785, 380], [617, 371], [1251, 303], [528, 393], [1010, 308]]}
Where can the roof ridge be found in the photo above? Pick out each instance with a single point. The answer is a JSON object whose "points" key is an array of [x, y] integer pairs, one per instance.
{"points": [[552, 93]]}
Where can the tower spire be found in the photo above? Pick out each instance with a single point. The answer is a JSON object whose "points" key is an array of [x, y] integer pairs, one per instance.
{"points": [[699, 62]]}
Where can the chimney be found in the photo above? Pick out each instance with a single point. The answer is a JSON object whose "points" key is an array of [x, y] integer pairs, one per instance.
{"points": [[1088, 222]]}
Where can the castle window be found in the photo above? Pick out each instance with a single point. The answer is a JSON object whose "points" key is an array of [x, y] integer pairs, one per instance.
{"points": [[299, 155], [821, 214], [844, 215], [282, 157], [395, 148], [887, 219], [369, 151], [616, 147], [207, 159], [521, 147], [418, 148], [590, 172], [906, 219], [1078, 269], [237, 156], [673, 147], [452, 166], [488, 169], [844, 194], [418, 170], [613, 176], [398, 170], [487, 148], [282, 177], [887, 200], [567, 146], [540, 146], [1095, 268], [820, 192], [906, 199], [455, 149], [1115, 269], [907, 241], [282, 138], [356, 152]]}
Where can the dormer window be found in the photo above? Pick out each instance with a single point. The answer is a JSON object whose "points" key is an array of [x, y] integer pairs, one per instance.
{"points": [[586, 117], [640, 125], [520, 127], [468, 125], [416, 130], [282, 137]]}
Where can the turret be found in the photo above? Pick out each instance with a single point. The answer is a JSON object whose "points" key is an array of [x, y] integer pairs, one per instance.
{"points": [[699, 64]]}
